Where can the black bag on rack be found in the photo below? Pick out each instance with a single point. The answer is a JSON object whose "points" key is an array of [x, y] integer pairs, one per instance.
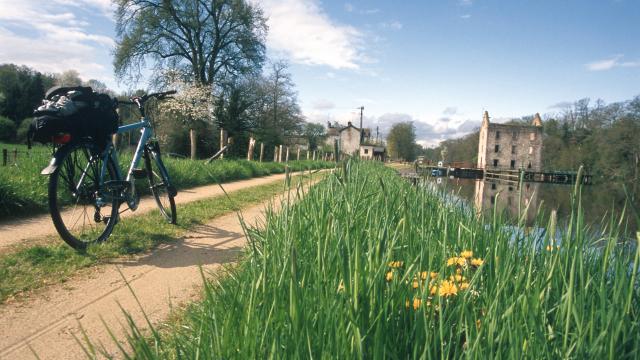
{"points": [[78, 112]]}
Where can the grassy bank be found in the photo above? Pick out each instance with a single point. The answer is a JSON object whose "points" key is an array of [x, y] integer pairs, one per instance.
{"points": [[33, 267], [367, 266], [23, 191]]}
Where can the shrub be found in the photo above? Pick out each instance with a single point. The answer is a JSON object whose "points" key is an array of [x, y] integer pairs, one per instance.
{"points": [[7, 129]]}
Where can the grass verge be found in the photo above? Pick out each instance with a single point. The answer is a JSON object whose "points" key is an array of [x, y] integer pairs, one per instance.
{"points": [[33, 267], [23, 191], [367, 266]]}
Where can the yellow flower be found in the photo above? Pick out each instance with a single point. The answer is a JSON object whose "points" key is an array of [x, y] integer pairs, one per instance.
{"points": [[464, 286], [478, 323], [447, 288], [341, 286], [458, 271], [457, 278], [416, 303], [415, 283], [433, 275], [396, 264], [459, 261], [467, 254], [424, 275], [389, 276], [477, 262], [433, 290]]}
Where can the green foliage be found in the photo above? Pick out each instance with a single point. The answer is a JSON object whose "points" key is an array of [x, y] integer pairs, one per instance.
{"points": [[7, 129], [21, 133], [401, 141], [23, 191], [333, 276], [21, 90]]}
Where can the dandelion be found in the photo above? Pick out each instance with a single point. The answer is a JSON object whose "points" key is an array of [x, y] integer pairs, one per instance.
{"points": [[433, 290], [415, 283], [447, 288], [396, 264], [464, 286], [459, 261], [416, 303], [433, 275], [424, 275], [457, 278], [458, 271], [477, 262], [467, 254], [389, 276]]}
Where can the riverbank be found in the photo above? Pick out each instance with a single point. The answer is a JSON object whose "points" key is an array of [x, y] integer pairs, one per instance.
{"points": [[368, 266]]}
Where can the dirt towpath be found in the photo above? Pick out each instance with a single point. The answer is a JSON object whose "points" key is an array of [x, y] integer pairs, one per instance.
{"points": [[167, 276], [15, 232]]}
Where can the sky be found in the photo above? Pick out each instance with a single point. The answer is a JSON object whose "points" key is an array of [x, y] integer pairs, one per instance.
{"points": [[438, 63]]}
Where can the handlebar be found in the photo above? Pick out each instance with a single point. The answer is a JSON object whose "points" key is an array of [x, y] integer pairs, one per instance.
{"points": [[140, 100]]}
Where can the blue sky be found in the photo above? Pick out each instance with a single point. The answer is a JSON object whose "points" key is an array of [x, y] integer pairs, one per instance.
{"points": [[437, 63]]}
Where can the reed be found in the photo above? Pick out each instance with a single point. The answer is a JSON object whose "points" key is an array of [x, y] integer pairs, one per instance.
{"points": [[368, 266]]}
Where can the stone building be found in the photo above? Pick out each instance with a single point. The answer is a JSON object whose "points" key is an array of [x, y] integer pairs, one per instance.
{"points": [[373, 152], [510, 146]]}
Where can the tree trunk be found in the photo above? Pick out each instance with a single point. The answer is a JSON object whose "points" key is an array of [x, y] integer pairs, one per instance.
{"points": [[192, 140]]}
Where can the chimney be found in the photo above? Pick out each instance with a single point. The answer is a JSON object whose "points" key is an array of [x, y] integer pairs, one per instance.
{"points": [[349, 124], [485, 119], [536, 120]]}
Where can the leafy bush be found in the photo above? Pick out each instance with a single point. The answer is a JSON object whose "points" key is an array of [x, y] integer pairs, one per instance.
{"points": [[7, 129]]}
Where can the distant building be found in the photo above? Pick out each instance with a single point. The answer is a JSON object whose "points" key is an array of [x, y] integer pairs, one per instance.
{"points": [[511, 200], [373, 152], [510, 146]]}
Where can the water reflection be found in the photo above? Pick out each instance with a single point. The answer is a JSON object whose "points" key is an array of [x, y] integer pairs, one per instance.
{"points": [[599, 202]]}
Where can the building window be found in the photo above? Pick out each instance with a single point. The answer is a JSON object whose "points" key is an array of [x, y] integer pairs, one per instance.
{"points": [[513, 149], [529, 166], [366, 151], [495, 162], [513, 164], [493, 186], [497, 148], [497, 134], [510, 188], [532, 136], [530, 150], [514, 135], [493, 200]]}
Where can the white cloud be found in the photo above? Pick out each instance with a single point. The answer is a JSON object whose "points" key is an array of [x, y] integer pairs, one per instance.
{"points": [[465, 16], [396, 25], [323, 104], [304, 33], [49, 37], [610, 63]]}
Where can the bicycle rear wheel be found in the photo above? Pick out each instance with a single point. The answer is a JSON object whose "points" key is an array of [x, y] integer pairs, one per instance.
{"points": [[82, 212], [159, 183]]}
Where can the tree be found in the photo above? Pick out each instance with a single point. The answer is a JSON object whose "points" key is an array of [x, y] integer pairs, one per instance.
{"points": [[209, 39], [192, 104], [233, 115], [68, 78], [401, 141], [314, 134]]}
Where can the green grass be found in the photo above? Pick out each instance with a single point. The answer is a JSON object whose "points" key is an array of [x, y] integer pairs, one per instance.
{"points": [[23, 191], [33, 267], [314, 284]]}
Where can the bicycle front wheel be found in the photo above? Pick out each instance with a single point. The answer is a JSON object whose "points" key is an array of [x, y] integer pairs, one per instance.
{"points": [[159, 183], [82, 212]]}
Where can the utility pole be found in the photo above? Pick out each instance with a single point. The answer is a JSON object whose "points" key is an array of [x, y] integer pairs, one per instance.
{"points": [[377, 134], [361, 130]]}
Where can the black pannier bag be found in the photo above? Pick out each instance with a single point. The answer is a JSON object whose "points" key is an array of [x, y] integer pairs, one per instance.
{"points": [[77, 111]]}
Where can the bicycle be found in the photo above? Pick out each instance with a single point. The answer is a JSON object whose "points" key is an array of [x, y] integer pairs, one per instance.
{"points": [[85, 175]]}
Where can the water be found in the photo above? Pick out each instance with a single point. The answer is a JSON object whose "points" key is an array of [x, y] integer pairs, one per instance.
{"points": [[601, 203]]}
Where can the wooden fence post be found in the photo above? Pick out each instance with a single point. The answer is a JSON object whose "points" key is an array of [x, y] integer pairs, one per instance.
{"points": [[223, 141], [280, 153], [275, 154], [298, 155], [314, 155], [308, 154], [15, 156], [252, 143], [4, 157], [286, 158], [261, 151]]}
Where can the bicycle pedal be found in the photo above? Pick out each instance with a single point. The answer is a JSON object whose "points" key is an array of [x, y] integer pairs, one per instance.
{"points": [[117, 185], [139, 173]]}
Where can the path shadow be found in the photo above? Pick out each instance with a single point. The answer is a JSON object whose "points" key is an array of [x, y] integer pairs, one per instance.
{"points": [[203, 245]]}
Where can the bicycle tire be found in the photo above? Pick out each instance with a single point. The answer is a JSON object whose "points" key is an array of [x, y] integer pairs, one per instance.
{"points": [[81, 160], [159, 183]]}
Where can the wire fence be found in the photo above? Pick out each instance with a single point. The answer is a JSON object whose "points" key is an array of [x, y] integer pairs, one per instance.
{"points": [[14, 156]]}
